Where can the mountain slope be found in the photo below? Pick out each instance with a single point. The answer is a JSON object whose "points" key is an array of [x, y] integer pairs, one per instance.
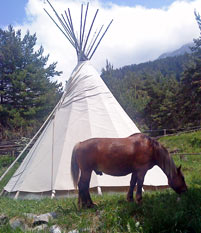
{"points": [[148, 92], [182, 50], [166, 67]]}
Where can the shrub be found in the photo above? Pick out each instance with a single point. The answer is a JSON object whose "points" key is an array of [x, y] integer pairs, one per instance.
{"points": [[6, 160], [196, 142]]}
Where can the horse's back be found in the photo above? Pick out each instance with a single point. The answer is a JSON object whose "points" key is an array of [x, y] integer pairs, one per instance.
{"points": [[134, 144], [116, 156]]}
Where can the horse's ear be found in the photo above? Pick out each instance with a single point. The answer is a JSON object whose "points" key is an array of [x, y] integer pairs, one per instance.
{"points": [[179, 168]]}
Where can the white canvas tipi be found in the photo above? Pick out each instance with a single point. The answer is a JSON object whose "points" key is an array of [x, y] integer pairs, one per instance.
{"points": [[87, 109]]}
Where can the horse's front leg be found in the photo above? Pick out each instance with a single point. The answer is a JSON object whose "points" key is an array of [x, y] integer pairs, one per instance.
{"points": [[140, 181], [132, 186], [84, 199]]}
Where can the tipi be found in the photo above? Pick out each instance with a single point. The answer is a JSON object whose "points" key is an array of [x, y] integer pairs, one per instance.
{"points": [[87, 109]]}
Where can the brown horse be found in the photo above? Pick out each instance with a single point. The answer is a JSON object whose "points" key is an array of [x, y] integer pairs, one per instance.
{"points": [[118, 157]]}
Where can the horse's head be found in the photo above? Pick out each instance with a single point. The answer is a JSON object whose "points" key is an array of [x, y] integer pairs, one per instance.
{"points": [[177, 182]]}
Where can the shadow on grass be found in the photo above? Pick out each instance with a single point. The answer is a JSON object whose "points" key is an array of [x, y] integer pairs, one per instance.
{"points": [[159, 212]]}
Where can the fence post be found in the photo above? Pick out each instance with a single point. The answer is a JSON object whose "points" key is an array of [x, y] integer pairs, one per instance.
{"points": [[164, 131]]}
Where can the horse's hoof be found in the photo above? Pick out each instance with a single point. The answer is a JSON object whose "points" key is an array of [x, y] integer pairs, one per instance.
{"points": [[88, 205], [139, 202], [130, 199], [91, 205]]}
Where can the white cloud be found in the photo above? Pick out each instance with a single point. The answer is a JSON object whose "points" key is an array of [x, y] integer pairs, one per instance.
{"points": [[137, 34]]}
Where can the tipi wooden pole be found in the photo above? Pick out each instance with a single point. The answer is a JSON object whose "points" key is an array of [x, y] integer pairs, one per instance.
{"points": [[99, 190], [17, 195], [101, 39], [53, 194], [1, 194], [94, 41]]}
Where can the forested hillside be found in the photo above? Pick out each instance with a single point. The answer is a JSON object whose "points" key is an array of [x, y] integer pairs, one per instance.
{"points": [[163, 94]]}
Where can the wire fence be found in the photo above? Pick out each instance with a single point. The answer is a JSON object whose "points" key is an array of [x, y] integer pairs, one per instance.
{"points": [[186, 153], [158, 133], [13, 148], [170, 132]]}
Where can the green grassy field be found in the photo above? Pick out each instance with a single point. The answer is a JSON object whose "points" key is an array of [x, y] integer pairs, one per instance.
{"points": [[161, 211], [191, 164]]}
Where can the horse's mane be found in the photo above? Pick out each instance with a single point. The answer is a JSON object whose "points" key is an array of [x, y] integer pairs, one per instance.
{"points": [[162, 156], [134, 134], [164, 159]]}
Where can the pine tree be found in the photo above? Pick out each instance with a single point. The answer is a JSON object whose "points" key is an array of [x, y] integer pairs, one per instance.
{"points": [[190, 94], [27, 94], [159, 112]]}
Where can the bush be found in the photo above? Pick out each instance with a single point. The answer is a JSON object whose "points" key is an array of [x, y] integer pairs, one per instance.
{"points": [[195, 142], [5, 160]]}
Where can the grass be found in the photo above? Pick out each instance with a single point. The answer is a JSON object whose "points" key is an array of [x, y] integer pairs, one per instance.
{"points": [[7, 177], [161, 211], [184, 144]]}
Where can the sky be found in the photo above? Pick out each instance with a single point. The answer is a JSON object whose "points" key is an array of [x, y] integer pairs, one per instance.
{"points": [[142, 29], [13, 12]]}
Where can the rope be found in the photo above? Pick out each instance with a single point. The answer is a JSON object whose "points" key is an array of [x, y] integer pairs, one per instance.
{"points": [[185, 153], [52, 155], [181, 129]]}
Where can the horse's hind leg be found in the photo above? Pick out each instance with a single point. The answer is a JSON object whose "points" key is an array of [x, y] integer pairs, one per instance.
{"points": [[132, 186], [140, 181], [84, 199]]}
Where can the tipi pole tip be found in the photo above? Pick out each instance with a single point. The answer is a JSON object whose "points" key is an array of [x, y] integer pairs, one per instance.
{"points": [[60, 28], [100, 39], [81, 26], [79, 42], [85, 18], [90, 30], [92, 45]]}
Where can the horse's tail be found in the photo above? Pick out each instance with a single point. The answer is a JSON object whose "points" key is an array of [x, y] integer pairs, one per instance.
{"points": [[74, 166]]}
